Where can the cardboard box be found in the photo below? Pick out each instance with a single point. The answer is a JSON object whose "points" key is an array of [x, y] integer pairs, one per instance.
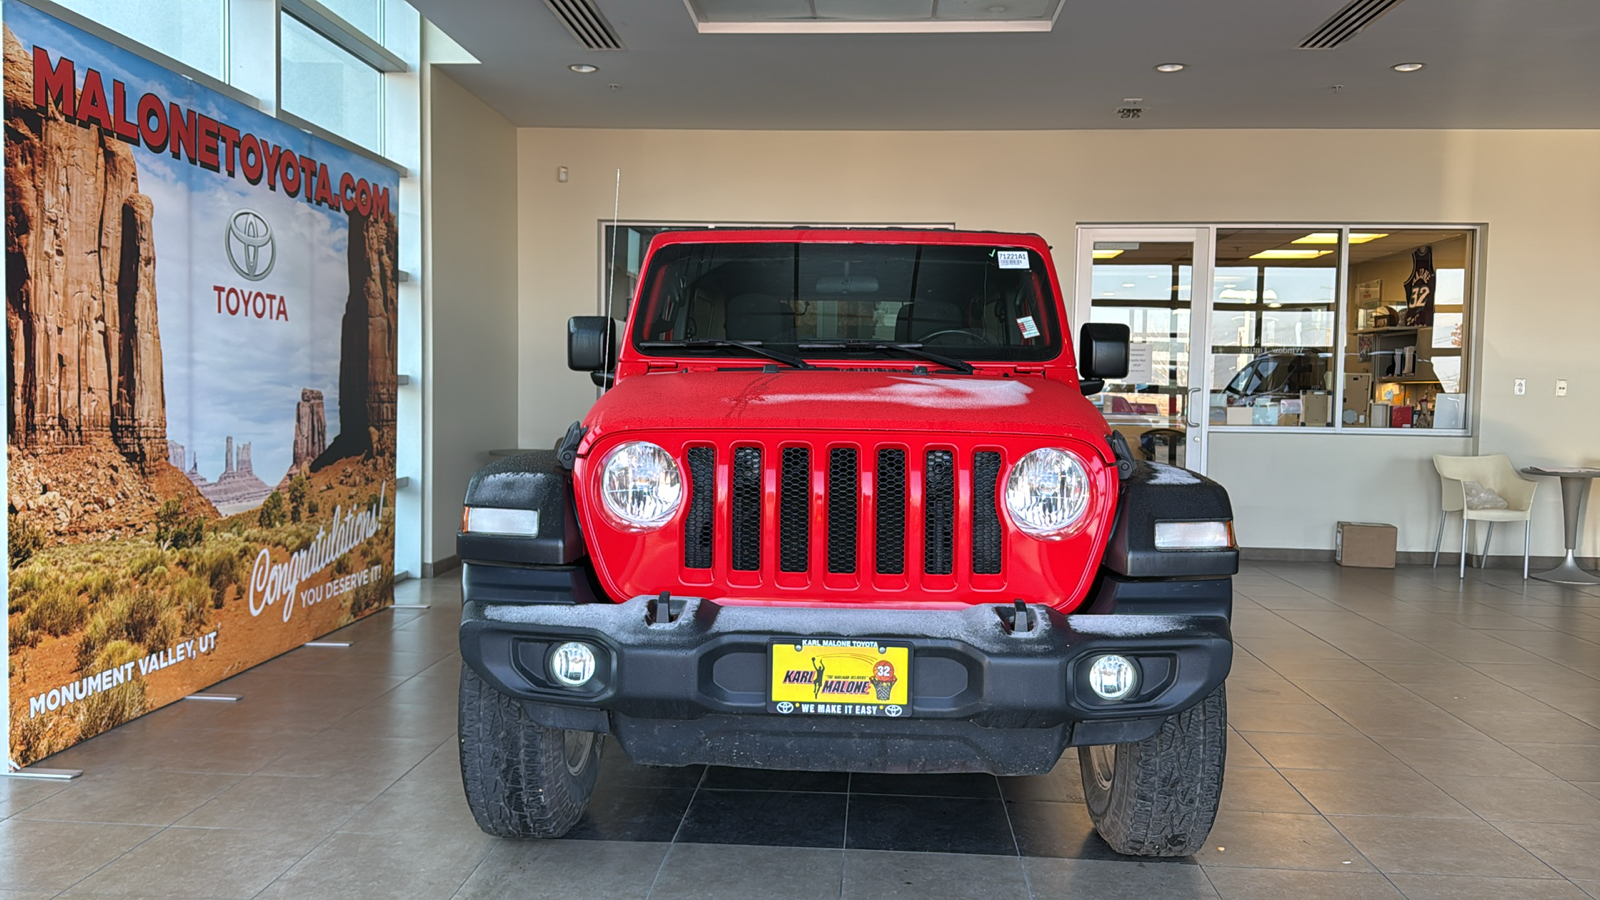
{"points": [[1378, 416], [1365, 545], [1357, 398], [1314, 412]]}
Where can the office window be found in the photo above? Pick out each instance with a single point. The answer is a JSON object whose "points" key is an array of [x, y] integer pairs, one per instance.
{"points": [[189, 31], [327, 86], [1272, 327], [366, 16], [1407, 318]]}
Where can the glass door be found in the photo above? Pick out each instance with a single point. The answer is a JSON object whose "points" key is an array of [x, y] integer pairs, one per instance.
{"points": [[1145, 278]]}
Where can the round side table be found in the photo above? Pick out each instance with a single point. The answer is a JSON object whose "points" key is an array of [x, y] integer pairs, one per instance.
{"points": [[1574, 487]]}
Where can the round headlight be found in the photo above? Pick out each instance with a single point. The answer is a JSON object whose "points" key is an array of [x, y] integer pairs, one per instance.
{"points": [[1048, 492], [572, 664], [1113, 677], [640, 485]]}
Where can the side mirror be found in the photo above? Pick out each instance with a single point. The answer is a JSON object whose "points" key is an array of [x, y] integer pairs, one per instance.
{"points": [[591, 343], [1102, 354]]}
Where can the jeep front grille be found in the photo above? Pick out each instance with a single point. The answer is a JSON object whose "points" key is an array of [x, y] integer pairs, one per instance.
{"points": [[933, 500]]}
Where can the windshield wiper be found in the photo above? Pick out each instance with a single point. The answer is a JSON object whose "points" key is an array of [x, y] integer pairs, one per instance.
{"points": [[713, 344], [909, 349]]}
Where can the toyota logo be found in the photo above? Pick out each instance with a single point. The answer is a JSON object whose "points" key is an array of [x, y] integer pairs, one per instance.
{"points": [[251, 250]]}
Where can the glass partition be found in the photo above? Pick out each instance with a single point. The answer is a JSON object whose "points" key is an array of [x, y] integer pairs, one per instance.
{"points": [[1147, 285], [1273, 327], [1406, 318]]}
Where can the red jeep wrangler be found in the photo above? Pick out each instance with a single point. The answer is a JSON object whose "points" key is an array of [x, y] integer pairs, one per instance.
{"points": [[844, 507]]}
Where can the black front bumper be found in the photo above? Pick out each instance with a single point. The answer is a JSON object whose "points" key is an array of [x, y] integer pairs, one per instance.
{"points": [[985, 697]]}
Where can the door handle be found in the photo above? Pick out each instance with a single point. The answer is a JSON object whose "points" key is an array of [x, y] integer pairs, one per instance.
{"points": [[1190, 406]]}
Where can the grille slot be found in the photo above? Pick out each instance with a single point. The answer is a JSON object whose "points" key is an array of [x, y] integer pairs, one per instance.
{"points": [[985, 513], [939, 505], [794, 509], [891, 527], [746, 504], [587, 25], [842, 487], [697, 526], [1349, 21]]}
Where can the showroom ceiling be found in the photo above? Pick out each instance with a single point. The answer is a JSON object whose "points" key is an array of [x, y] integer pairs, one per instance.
{"points": [[1489, 64]]}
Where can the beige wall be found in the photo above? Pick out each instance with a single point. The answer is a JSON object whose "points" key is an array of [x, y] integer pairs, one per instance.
{"points": [[1538, 193], [470, 383]]}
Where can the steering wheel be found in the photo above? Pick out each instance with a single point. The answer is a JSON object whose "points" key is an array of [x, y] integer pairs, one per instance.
{"points": [[972, 337]]}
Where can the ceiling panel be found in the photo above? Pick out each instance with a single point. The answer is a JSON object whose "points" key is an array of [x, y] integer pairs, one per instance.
{"points": [[1490, 64]]}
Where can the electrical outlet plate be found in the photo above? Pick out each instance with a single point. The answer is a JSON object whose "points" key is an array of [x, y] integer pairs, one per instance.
{"points": [[1561, 387], [1519, 387]]}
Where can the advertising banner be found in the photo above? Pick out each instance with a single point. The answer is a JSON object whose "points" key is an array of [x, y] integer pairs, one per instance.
{"points": [[200, 329]]}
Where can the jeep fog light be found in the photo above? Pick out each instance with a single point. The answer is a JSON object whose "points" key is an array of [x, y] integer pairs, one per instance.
{"points": [[572, 664], [1047, 492], [1113, 677], [1194, 535], [640, 486]]}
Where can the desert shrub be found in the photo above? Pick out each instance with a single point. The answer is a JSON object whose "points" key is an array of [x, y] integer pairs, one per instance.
{"points": [[271, 513], [299, 488], [367, 597], [55, 610], [341, 566], [191, 597], [95, 637], [25, 539], [19, 635], [24, 585], [30, 739], [108, 709], [98, 586], [144, 617], [146, 561], [174, 530], [222, 564]]}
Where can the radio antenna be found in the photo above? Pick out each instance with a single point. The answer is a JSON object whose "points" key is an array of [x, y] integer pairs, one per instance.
{"points": [[611, 268]]}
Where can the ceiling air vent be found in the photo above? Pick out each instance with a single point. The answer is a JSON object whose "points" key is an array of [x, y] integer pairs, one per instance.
{"points": [[1345, 24], [586, 23]]}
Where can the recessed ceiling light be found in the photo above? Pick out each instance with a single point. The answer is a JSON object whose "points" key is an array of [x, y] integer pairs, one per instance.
{"points": [[1290, 254], [1171, 67], [1332, 237], [584, 68], [1407, 67]]}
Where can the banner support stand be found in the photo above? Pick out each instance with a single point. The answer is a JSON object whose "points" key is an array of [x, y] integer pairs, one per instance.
{"points": [[223, 698], [410, 606], [341, 645], [15, 771]]}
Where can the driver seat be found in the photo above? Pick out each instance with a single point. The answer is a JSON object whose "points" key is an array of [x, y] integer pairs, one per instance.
{"points": [[924, 317]]}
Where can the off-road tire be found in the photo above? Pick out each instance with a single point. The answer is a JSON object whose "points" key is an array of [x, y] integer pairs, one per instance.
{"points": [[516, 772], [1163, 793]]}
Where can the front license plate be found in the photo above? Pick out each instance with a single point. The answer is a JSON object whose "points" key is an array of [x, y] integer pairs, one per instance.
{"points": [[839, 677]]}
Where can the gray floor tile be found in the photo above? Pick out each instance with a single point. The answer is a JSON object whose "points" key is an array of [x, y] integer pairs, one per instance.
{"points": [[565, 870], [1115, 880], [736, 871], [1309, 751], [202, 862], [52, 856], [873, 874], [1485, 758], [1569, 849], [1356, 793], [1439, 847], [1279, 841], [131, 798], [384, 866], [1523, 800], [313, 804], [1574, 762], [1261, 790], [1276, 884], [1456, 887]]}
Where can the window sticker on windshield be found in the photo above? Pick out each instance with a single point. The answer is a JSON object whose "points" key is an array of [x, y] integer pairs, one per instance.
{"points": [[1013, 259], [1029, 329]]}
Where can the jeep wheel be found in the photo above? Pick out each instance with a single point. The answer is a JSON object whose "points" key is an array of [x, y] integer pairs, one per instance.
{"points": [[523, 780], [1158, 797]]}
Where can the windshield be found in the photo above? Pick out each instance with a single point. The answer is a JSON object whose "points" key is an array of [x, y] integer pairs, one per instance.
{"points": [[965, 302]]}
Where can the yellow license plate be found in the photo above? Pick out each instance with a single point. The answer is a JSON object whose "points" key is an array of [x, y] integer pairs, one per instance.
{"points": [[839, 677]]}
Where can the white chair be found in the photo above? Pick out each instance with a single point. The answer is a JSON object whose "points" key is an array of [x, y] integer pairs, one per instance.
{"points": [[1495, 473]]}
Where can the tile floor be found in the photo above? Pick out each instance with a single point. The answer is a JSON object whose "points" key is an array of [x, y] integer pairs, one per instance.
{"points": [[1395, 734]]}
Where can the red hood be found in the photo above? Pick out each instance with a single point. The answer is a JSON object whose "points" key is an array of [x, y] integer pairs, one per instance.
{"points": [[846, 400]]}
